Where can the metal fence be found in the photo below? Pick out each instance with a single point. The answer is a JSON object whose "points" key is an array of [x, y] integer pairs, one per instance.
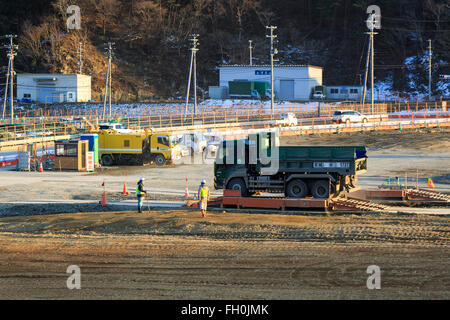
{"points": [[38, 123]]}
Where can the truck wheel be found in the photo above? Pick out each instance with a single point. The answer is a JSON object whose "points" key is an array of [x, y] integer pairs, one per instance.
{"points": [[296, 189], [364, 120], [107, 160], [237, 184], [160, 160], [321, 189]]}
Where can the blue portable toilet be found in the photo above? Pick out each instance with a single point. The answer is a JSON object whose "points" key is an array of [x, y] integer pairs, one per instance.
{"points": [[93, 144]]}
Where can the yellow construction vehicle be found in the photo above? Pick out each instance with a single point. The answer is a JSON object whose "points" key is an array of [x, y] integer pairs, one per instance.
{"points": [[137, 148]]}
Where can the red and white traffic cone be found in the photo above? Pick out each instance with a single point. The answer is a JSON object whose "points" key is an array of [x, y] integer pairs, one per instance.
{"points": [[41, 168]]}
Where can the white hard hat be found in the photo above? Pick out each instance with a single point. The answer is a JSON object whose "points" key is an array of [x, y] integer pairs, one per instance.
{"points": [[203, 181], [142, 179]]}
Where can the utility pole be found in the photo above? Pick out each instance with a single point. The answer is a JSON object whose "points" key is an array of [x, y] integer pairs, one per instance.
{"points": [[365, 77], [370, 52], [193, 65], [6, 90], [250, 48], [80, 53], [11, 54], [429, 69], [109, 50], [273, 52]]}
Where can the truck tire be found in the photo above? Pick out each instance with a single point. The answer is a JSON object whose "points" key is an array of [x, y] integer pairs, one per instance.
{"points": [[237, 184], [296, 189], [107, 160], [321, 189], [160, 160], [364, 120]]}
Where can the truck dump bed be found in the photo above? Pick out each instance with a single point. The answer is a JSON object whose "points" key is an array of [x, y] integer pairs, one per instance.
{"points": [[341, 159]]}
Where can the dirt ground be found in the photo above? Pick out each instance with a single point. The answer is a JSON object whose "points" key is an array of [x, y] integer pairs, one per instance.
{"points": [[175, 254]]}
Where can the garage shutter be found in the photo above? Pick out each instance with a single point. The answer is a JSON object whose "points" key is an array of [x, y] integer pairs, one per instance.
{"points": [[286, 90]]}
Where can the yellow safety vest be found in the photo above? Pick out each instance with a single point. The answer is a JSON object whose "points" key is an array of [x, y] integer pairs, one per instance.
{"points": [[204, 192]]}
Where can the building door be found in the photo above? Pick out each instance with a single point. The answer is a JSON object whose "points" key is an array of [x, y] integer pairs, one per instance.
{"points": [[46, 94], [286, 90]]}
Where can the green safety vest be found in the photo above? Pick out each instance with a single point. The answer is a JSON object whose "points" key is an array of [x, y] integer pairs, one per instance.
{"points": [[138, 192]]}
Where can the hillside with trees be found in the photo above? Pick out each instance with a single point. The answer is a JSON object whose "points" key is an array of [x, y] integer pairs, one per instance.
{"points": [[152, 40]]}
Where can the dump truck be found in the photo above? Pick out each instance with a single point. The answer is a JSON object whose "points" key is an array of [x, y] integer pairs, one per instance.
{"points": [[260, 164], [137, 148]]}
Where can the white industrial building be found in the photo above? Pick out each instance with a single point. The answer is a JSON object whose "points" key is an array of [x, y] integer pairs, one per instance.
{"points": [[291, 82], [53, 88], [345, 92]]}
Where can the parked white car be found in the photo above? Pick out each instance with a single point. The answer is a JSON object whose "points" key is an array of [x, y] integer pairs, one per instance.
{"points": [[318, 95], [120, 128], [349, 116], [287, 119]]}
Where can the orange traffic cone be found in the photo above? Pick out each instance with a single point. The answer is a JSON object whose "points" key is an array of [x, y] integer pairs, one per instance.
{"points": [[104, 203], [41, 168], [186, 190], [430, 183], [125, 190]]}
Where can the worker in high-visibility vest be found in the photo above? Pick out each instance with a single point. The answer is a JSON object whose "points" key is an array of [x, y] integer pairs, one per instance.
{"points": [[140, 193], [203, 196]]}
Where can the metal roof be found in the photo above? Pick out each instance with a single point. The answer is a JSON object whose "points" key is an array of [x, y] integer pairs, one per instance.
{"points": [[268, 66]]}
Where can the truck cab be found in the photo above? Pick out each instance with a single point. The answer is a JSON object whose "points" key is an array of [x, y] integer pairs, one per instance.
{"points": [[137, 148]]}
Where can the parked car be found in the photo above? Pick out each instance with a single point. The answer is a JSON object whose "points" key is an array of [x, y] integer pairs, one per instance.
{"points": [[287, 119], [120, 128], [348, 116], [319, 95]]}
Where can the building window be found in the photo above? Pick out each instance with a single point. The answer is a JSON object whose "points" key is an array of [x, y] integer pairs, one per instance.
{"points": [[126, 143], [27, 95], [334, 90], [70, 95], [345, 91], [353, 90]]}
